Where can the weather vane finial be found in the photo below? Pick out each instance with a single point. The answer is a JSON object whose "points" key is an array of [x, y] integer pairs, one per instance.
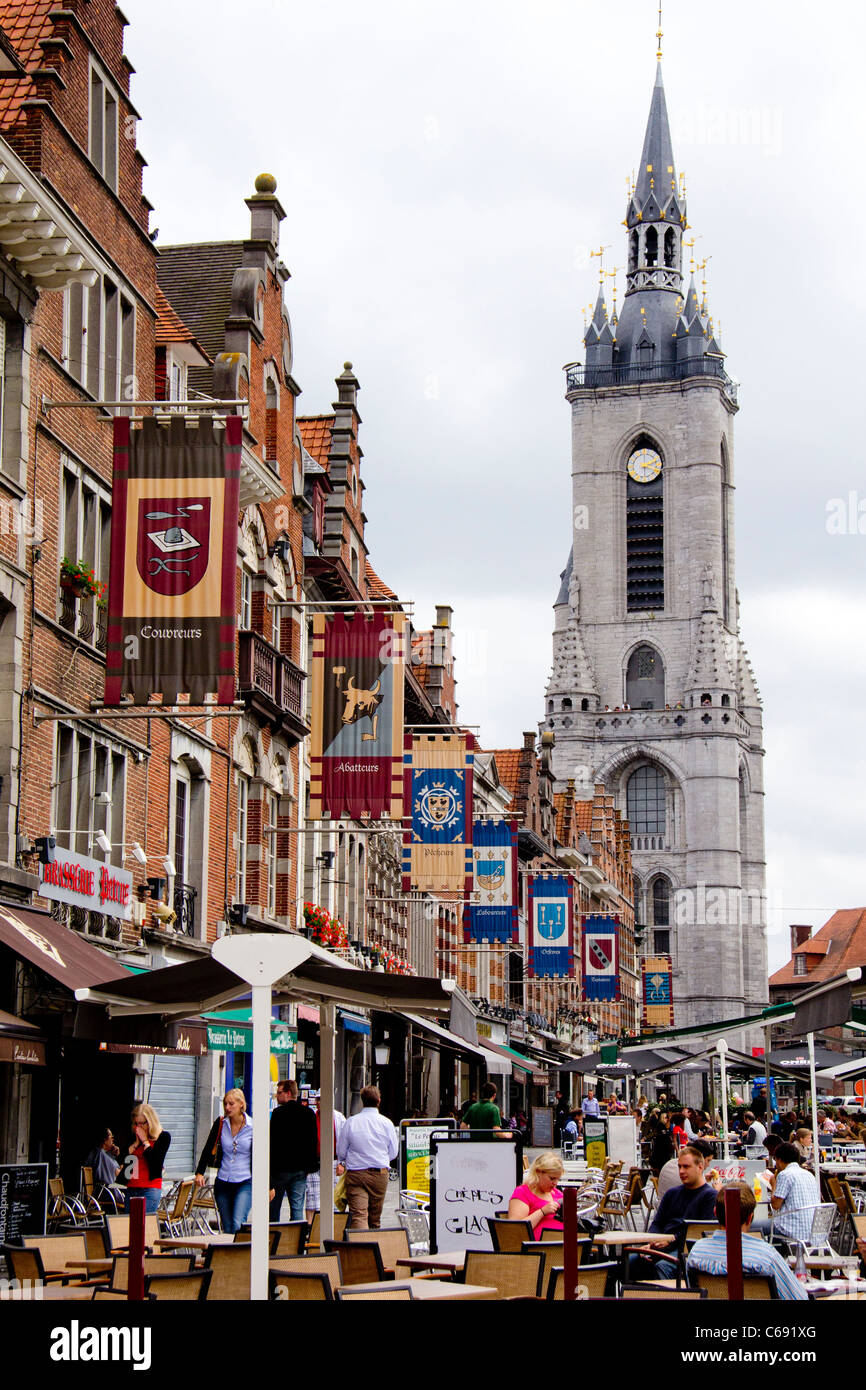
{"points": [[659, 33]]}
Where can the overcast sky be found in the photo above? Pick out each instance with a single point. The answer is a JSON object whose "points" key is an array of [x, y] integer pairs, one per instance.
{"points": [[446, 170]]}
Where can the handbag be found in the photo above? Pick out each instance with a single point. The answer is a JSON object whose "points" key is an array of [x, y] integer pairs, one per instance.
{"points": [[341, 1200], [211, 1171]]}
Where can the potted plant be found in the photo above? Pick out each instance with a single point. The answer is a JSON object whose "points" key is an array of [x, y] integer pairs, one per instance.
{"points": [[78, 577]]}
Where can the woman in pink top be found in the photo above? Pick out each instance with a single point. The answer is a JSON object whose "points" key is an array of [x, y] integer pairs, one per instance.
{"points": [[538, 1199]]}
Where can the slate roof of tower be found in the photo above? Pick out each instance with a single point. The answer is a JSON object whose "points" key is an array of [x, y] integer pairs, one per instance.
{"points": [[562, 596], [658, 151]]}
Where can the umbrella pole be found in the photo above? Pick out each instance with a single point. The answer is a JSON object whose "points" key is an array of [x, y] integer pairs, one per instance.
{"points": [[816, 1148]]}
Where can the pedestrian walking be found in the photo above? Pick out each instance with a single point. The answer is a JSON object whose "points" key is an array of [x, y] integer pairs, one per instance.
{"points": [[229, 1149], [294, 1151], [367, 1146]]}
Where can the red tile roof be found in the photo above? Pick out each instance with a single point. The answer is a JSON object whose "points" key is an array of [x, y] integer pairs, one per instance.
{"points": [[508, 767], [844, 937], [170, 327], [316, 434], [376, 586], [24, 22]]}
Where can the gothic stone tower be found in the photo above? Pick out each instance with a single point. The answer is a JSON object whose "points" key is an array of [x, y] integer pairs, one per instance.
{"points": [[652, 692]]}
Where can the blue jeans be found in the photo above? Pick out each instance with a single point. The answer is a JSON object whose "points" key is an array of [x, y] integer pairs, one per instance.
{"points": [[151, 1197], [641, 1268], [233, 1200], [294, 1185]]}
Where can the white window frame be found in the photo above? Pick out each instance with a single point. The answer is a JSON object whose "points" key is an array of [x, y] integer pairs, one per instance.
{"points": [[108, 310], [243, 821], [245, 617], [76, 547], [76, 816], [103, 118], [273, 810]]}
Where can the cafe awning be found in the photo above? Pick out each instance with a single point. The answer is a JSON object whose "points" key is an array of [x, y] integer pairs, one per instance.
{"points": [[446, 1038], [61, 953]]}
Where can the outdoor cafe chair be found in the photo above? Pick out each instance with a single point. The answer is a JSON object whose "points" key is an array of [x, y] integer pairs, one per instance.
{"points": [[755, 1286], [508, 1234], [314, 1239], [182, 1287], [26, 1264], [56, 1251], [401, 1293], [101, 1293], [513, 1275], [177, 1221], [297, 1286], [231, 1271], [245, 1235], [630, 1291], [416, 1223], [392, 1241], [327, 1265], [291, 1237], [595, 1279], [153, 1264], [817, 1242], [696, 1230], [63, 1209], [551, 1255], [360, 1261], [118, 1231], [203, 1215]]}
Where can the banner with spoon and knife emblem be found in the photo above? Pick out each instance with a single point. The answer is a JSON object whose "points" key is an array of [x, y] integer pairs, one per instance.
{"points": [[172, 579]]}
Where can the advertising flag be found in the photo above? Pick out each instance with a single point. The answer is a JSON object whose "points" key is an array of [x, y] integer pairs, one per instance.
{"points": [[600, 956], [437, 841], [492, 915], [174, 532], [551, 927], [658, 1007], [356, 753]]}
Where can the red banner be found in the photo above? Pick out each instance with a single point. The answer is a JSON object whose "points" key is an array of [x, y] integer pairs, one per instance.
{"points": [[357, 716], [171, 595]]}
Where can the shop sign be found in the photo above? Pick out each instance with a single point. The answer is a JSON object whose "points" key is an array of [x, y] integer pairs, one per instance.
{"points": [[30, 1054], [183, 1042], [234, 1037], [81, 882]]}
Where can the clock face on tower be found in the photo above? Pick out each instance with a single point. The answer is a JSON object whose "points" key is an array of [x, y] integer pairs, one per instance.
{"points": [[644, 465]]}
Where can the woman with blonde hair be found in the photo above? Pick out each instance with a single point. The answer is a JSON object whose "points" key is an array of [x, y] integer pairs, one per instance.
{"points": [[538, 1200], [144, 1164], [229, 1149]]}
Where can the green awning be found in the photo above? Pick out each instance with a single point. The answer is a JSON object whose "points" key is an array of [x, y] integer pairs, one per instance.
{"points": [[727, 1025]]}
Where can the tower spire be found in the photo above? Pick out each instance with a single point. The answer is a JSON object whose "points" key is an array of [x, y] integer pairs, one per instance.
{"points": [[659, 34]]}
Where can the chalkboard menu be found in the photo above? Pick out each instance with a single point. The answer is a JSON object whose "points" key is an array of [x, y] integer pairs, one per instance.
{"points": [[23, 1198], [542, 1127]]}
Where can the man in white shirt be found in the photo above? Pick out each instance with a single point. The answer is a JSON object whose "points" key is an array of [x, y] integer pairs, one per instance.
{"points": [[755, 1136], [590, 1105], [367, 1146]]}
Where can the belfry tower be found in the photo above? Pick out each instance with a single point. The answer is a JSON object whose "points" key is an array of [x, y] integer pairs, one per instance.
{"points": [[651, 691]]}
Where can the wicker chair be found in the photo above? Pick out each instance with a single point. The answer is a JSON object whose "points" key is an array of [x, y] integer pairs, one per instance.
{"points": [[401, 1293], [191, 1286], [314, 1239], [26, 1265], [291, 1238], [298, 1286], [593, 1279], [512, 1275], [177, 1220], [231, 1271], [328, 1265], [755, 1286], [118, 1231], [392, 1241], [63, 1209], [631, 1291], [360, 1261], [153, 1264], [102, 1294], [696, 1230], [56, 1251], [508, 1235]]}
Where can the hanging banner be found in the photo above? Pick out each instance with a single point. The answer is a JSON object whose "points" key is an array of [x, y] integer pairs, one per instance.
{"points": [[600, 956], [173, 575], [658, 1008], [492, 915], [551, 930], [437, 844], [357, 716]]}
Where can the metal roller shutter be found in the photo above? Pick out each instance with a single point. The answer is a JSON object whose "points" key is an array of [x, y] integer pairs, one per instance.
{"points": [[171, 1090]]}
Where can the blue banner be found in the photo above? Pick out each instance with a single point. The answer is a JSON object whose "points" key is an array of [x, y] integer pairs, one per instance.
{"points": [[551, 935], [492, 916]]}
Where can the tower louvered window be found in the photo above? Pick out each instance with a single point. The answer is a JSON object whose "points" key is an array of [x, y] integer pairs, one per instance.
{"points": [[645, 576]]}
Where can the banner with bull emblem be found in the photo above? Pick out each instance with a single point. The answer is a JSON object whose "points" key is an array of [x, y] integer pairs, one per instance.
{"points": [[658, 1007], [357, 716], [437, 841], [492, 915], [551, 927], [600, 956], [173, 573]]}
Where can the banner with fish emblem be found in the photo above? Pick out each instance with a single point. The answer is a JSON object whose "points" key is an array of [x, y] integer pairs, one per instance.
{"points": [[437, 839], [658, 1005], [492, 915], [172, 621], [600, 956], [551, 927], [356, 753]]}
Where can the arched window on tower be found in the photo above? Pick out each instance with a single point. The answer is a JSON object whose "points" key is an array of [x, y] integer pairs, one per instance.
{"points": [[633, 247], [661, 902], [645, 801], [645, 679], [651, 247], [670, 248], [644, 521]]}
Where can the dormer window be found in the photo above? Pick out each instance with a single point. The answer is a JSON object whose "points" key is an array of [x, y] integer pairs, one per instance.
{"points": [[800, 963]]}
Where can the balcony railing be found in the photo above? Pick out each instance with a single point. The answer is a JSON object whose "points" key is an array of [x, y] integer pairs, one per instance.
{"points": [[184, 906], [581, 378], [271, 684]]}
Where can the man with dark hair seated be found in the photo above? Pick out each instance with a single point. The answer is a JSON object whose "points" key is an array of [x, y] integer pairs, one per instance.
{"points": [[710, 1255], [692, 1200]]}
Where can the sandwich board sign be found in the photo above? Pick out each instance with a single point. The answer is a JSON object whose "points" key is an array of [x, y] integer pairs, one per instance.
{"points": [[473, 1173]]}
